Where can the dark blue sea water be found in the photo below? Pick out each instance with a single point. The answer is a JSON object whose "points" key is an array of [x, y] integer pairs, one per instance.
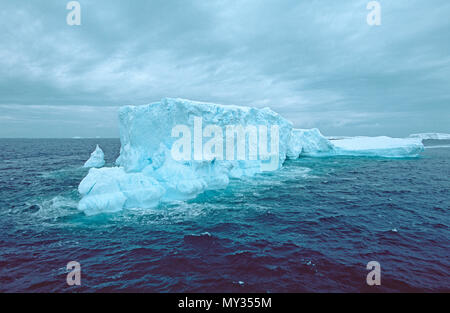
{"points": [[312, 226]]}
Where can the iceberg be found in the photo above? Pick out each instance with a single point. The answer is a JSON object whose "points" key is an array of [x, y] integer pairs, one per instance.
{"points": [[313, 144], [147, 171], [176, 149], [379, 147], [295, 146], [337, 137], [310, 142], [143, 129], [97, 159], [109, 190], [428, 136]]}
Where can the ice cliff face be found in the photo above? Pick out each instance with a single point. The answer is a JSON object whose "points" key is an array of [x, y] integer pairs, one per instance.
{"points": [[311, 143], [97, 159], [109, 190], [145, 129], [176, 149]]}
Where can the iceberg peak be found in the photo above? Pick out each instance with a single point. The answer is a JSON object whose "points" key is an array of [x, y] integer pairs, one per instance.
{"points": [[97, 158]]}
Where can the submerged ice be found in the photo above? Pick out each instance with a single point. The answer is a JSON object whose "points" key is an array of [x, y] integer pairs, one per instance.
{"points": [[148, 172]]}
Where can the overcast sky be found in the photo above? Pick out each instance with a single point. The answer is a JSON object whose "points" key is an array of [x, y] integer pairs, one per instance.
{"points": [[318, 63]]}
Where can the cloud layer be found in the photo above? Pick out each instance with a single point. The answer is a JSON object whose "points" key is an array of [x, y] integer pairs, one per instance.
{"points": [[317, 63]]}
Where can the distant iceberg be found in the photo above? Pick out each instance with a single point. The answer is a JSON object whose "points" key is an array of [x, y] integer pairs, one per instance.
{"points": [[148, 172], [427, 136], [311, 143], [337, 137], [379, 146], [97, 159]]}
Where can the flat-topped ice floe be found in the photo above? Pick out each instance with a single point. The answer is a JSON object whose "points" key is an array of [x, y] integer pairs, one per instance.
{"points": [[379, 147], [311, 143], [433, 136], [97, 158]]}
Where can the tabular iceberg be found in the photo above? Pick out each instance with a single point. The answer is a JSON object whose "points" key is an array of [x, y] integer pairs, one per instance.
{"points": [[379, 146], [149, 170], [433, 136], [97, 159], [311, 143]]}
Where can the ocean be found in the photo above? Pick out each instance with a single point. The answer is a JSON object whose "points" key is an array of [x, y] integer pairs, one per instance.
{"points": [[310, 227]]}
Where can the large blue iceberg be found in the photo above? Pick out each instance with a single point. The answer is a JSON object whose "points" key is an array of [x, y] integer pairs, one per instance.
{"points": [[149, 169]]}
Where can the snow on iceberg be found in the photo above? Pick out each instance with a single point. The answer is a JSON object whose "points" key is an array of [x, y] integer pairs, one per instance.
{"points": [[379, 146], [147, 172], [97, 159]]}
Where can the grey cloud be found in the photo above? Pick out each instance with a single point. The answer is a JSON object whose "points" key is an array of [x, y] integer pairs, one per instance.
{"points": [[317, 63]]}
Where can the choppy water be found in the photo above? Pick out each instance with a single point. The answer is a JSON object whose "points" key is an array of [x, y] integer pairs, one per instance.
{"points": [[312, 226]]}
